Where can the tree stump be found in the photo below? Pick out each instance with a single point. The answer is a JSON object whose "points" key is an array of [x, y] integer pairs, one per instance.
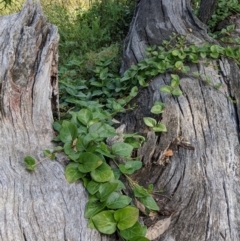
{"points": [[40, 205], [203, 176]]}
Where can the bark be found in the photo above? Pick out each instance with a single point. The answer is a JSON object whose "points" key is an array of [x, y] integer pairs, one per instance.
{"points": [[202, 178], [206, 9], [40, 205]]}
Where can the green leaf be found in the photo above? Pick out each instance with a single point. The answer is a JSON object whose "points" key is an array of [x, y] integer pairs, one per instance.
{"points": [[157, 108], [91, 224], [176, 92], [185, 69], [117, 201], [122, 149], [175, 52], [106, 189], [102, 129], [116, 173], [89, 162], [214, 55], [84, 116], [68, 132], [139, 238], [214, 48], [136, 230], [130, 167], [166, 89], [72, 154], [134, 91], [229, 52], [30, 163], [175, 80], [96, 128], [203, 55], [93, 187], [126, 217], [79, 145], [72, 173], [149, 121], [58, 149], [160, 128], [49, 154], [140, 191], [133, 165], [125, 77], [150, 188], [218, 86], [57, 126], [179, 65], [133, 142], [149, 202], [230, 28], [102, 174], [105, 222], [142, 82], [103, 74], [121, 186], [93, 208]]}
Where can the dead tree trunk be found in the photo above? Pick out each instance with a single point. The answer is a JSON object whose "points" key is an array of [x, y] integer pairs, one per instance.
{"points": [[203, 184], [40, 205]]}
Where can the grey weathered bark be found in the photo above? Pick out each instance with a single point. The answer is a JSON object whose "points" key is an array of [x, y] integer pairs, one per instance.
{"points": [[207, 8], [203, 184], [40, 205]]}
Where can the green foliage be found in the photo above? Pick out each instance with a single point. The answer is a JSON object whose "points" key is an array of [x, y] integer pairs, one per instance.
{"points": [[83, 139], [136, 230], [224, 9], [30, 163], [6, 2]]}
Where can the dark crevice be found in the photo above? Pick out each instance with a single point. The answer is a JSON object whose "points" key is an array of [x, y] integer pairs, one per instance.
{"points": [[178, 217], [31, 20], [204, 137], [170, 177], [65, 202], [180, 108], [184, 169], [237, 120], [24, 236], [133, 56], [175, 189], [146, 36], [206, 111], [189, 201], [190, 107], [221, 234], [207, 226], [227, 202]]}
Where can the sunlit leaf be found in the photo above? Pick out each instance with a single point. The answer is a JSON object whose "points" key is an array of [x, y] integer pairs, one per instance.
{"points": [[105, 222], [126, 217], [72, 173], [149, 121]]}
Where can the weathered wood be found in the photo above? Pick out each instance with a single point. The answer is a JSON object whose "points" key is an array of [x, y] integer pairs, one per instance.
{"points": [[39, 205], [207, 8], [202, 184]]}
